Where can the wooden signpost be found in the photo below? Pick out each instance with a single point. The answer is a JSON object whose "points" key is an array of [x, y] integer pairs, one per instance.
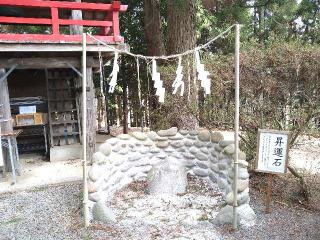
{"points": [[272, 156]]}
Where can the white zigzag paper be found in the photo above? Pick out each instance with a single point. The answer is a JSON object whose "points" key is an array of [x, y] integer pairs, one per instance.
{"points": [[114, 74]]}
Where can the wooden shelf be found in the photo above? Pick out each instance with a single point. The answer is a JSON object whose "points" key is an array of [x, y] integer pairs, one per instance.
{"points": [[65, 134], [62, 111], [64, 122], [62, 100], [61, 89]]}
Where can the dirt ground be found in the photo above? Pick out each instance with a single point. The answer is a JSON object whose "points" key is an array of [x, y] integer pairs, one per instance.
{"points": [[54, 212]]}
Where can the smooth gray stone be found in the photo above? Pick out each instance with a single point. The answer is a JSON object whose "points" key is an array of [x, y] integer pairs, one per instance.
{"points": [[201, 156], [218, 148], [230, 149], [188, 155], [193, 133], [188, 142], [213, 177], [144, 150], [183, 132], [245, 215], [95, 197], [101, 212], [189, 163], [105, 148], [152, 135], [200, 172], [154, 150], [169, 150], [204, 150], [99, 158], [222, 183], [162, 155], [95, 173], [134, 157], [242, 173], [113, 141], [125, 167], [222, 166], [139, 135], [242, 198], [199, 144], [160, 178], [124, 151], [193, 150], [204, 135], [202, 165], [213, 159], [124, 136], [161, 138], [169, 132], [216, 137], [138, 144], [215, 168], [176, 144], [225, 143], [117, 148], [191, 137], [178, 136], [148, 143], [162, 144]]}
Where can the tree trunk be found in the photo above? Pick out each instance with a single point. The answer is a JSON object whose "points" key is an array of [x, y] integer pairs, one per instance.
{"points": [[155, 43], [182, 37], [125, 108], [153, 28], [76, 15]]}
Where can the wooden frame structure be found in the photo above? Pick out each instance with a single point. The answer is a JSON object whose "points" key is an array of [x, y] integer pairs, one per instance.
{"points": [[110, 31], [61, 51]]}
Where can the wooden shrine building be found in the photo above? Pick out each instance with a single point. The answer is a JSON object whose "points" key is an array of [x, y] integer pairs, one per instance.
{"points": [[40, 71]]}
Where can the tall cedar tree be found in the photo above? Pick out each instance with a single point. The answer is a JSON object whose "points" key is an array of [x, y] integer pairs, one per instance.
{"points": [[182, 37]]}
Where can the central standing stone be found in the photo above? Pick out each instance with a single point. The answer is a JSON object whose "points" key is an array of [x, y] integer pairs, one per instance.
{"points": [[167, 177]]}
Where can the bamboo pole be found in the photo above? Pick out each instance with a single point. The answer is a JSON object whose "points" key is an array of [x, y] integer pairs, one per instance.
{"points": [[84, 129], [236, 126]]}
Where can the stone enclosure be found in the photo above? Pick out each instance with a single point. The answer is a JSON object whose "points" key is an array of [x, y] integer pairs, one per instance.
{"points": [[127, 158]]}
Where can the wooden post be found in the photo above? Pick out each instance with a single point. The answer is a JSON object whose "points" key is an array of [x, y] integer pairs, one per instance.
{"points": [[55, 21], [84, 129], [236, 126], [91, 115], [269, 192], [6, 124]]}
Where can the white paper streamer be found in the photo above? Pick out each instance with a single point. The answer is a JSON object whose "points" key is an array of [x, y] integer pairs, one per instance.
{"points": [[203, 75], [178, 81], [158, 84], [114, 74]]}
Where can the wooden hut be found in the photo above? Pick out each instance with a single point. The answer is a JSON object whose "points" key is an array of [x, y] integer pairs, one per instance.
{"points": [[40, 71]]}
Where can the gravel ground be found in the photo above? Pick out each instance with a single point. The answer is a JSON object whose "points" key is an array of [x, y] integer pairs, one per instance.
{"points": [[54, 213]]}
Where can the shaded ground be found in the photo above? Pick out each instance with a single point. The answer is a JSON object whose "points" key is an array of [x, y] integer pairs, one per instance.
{"points": [[54, 213]]}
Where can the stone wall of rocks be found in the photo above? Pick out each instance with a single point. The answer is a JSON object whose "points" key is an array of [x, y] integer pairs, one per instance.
{"points": [[126, 158]]}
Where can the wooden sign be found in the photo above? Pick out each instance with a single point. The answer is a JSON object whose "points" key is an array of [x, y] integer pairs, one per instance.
{"points": [[272, 157], [272, 151]]}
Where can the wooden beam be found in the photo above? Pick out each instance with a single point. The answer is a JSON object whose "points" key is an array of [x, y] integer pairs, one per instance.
{"points": [[4, 77], [64, 5], [41, 63], [56, 47]]}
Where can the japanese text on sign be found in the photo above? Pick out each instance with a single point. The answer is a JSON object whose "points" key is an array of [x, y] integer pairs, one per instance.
{"points": [[272, 151]]}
